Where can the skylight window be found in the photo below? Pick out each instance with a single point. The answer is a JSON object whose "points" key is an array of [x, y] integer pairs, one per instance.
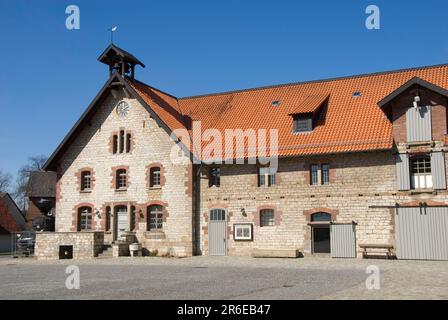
{"points": [[275, 103], [356, 94]]}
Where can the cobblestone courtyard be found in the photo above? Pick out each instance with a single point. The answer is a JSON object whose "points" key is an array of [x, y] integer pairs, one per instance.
{"points": [[222, 278]]}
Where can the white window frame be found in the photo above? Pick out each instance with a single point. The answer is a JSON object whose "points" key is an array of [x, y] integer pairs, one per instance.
{"points": [[243, 227], [421, 180]]}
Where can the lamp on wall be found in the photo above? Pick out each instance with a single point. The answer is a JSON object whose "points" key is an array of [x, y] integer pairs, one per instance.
{"points": [[140, 213], [416, 100], [98, 214], [243, 212]]}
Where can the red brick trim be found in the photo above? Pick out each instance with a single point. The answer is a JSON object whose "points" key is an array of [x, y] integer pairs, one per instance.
{"points": [[277, 215], [310, 212], [148, 175], [111, 142], [79, 181], [75, 215], [114, 177], [58, 195], [117, 133], [424, 202]]}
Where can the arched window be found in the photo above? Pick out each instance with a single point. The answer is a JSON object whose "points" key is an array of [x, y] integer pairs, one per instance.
{"points": [[321, 216], [86, 180], [85, 218], [121, 179], [267, 218], [154, 215], [154, 177]]}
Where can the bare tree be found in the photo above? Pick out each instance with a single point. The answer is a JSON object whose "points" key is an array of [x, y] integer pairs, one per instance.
{"points": [[35, 163], [5, 181]]}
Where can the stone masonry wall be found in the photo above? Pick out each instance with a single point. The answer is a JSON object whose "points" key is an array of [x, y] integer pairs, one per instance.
{"points": [[358, 182], [150, 144], [85, 244]]}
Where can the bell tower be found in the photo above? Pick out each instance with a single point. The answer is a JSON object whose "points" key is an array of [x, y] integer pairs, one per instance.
{"points": [[119, 61]]}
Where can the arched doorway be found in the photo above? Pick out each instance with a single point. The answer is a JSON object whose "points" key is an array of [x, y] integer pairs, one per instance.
{"points": [[320, 232]]}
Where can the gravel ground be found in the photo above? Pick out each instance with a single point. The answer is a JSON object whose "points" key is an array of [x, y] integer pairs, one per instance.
{"points": [[222, 278]]}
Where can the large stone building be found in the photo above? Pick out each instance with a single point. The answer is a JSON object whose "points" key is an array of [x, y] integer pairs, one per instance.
{"points": [[355, 161]]}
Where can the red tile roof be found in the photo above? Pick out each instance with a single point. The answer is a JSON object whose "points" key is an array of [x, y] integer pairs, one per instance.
{"points": [[348, 124], [308, 105]]}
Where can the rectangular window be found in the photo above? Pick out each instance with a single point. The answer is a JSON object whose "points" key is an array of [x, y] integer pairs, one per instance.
{"points": [[85, 181], [121, 179], [128, 142], [155, 177], [85, 218], [302, 124], [421, 177], [115, 144], [266, 176], [325, 174], [242, 232], [154, 215], [121, 142], [314, 174], [156, 220], [215, 177], [267, 218]]}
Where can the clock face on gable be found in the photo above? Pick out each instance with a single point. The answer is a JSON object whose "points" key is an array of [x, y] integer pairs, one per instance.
{"points": [[123, 108]]}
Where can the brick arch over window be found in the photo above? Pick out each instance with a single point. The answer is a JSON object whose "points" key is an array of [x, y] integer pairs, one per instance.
{"points": [[310, 212], [148, 174], [144, 208], [277, 215], [75, 215]]}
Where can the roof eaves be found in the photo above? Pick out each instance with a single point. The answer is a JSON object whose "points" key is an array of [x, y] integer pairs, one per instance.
{"points": [[407, 85]]}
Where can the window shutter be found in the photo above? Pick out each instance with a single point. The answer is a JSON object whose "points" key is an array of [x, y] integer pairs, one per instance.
{"points": [[418, 124], [438, 170], [403, 173]]}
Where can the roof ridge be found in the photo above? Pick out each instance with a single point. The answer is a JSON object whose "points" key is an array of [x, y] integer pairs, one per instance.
{"points": [[315, 81]]}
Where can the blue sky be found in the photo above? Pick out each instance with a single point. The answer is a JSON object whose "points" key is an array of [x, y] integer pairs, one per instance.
{"points": [[50, 74]]}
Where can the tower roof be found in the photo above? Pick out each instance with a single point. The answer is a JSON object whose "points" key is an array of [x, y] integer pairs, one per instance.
{"points": [[113, 53]]}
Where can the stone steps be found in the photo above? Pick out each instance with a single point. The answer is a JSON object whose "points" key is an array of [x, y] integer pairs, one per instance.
{"points": [[106, 253]]}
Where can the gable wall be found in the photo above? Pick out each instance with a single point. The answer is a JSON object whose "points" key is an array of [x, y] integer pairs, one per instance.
{"points": [[151, 144], [438, 114]]}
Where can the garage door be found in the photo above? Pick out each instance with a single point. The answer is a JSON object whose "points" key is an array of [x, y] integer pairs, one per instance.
{"points": [[422, 233]]}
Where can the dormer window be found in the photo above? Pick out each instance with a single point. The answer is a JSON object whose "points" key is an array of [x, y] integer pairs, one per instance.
{"points": [[302, 123]]}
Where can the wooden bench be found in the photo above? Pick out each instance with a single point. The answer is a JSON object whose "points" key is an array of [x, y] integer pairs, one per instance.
{"points": [[377, 249], [275, 253]]}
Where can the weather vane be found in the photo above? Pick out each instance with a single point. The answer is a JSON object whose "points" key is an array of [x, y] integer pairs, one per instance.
{"points": [[112, 30]]}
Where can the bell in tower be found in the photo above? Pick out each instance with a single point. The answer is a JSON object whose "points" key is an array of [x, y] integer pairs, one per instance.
{"points": [[119, 61]]}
